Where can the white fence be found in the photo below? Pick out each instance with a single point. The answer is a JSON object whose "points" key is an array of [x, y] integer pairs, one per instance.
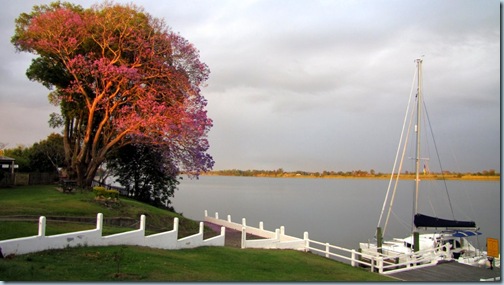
{"points": [[164, 240], [376, 262]]}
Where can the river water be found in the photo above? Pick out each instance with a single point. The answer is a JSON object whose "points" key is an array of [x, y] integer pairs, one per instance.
{"points": [[342, 212]]}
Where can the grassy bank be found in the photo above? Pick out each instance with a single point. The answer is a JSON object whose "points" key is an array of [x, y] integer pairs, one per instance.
{"points": [[21, 207]]}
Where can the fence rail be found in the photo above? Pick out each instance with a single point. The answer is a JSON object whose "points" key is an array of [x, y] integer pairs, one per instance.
{"points": [[94, 237]]}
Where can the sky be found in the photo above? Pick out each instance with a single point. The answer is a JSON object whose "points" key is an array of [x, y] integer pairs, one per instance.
{"points": [[313, 85]]}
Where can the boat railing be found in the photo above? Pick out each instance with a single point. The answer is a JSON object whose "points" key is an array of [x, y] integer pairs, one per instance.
{"points": [[422, 258], [390, 261]]}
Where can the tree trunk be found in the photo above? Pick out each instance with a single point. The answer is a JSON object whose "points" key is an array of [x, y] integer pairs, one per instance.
{"points": [[91, 172]]}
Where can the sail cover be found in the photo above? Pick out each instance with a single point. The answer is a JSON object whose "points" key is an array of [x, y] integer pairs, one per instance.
{"points": [[423, 221]]}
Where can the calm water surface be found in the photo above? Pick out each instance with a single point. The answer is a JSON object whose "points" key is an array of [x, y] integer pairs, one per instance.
{"points": [[342, 212]]}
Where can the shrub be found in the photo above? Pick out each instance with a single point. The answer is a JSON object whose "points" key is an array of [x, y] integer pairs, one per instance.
{"points": [[102, 193]]}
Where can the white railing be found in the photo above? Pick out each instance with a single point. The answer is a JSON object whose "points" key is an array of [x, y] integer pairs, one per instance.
{"points": [[270, 239], [408, 261], [375, 261], [93, 237]]}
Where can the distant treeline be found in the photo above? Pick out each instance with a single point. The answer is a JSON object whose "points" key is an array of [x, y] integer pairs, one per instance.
{"points": [[354, 173]]}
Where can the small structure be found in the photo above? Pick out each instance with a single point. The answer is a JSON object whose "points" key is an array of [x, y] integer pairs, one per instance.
{"points": [[7, 167], [7, 163]]}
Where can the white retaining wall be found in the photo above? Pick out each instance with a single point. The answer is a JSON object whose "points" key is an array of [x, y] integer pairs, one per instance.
{"points": [[165, 240]]}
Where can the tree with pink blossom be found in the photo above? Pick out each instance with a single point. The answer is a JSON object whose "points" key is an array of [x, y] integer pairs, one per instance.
{"points": [[120, 77]]}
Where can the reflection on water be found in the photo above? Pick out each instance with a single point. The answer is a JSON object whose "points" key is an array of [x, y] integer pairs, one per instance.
{"points": [[342, 212]]}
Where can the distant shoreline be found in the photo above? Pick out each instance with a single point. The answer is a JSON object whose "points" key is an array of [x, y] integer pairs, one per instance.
{"points": [[381, 176]]}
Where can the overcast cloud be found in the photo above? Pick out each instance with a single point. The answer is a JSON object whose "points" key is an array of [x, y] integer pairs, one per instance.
{"points": [[314, 85]]}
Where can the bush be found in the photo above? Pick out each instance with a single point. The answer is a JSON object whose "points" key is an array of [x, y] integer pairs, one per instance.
{"points": [[102, 193]]}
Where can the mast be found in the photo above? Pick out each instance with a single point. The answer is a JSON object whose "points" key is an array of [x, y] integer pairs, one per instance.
{"points": [[417, 129], [416, 235]]}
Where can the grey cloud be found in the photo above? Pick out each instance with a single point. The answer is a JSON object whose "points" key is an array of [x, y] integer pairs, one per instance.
{"points": [[317, 85]]}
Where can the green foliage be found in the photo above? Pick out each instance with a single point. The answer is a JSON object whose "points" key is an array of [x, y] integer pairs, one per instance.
{"points": [[145, 172], [44, 156], [22, 156], [102, 193], [47, 155]]}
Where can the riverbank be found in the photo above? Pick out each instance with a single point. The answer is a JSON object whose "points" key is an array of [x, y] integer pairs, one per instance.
{"points": [[378, 176]]}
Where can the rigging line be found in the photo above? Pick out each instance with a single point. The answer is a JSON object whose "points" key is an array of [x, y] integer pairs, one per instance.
{"points": [[430, 200], [402, 222], [426, 167], [439, 160], [398, 148], [457, 164], [399, 171]]}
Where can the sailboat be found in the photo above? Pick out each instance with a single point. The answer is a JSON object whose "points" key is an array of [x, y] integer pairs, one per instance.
{"points": [[442, 239]]}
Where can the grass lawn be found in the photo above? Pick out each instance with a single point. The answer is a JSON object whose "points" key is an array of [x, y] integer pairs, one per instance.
{"points": [[24, 202], [131, 263], [21, 207]]}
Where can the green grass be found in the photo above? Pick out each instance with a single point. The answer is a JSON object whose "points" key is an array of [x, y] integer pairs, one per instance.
{"points": [[130, 263], [36, 201]]}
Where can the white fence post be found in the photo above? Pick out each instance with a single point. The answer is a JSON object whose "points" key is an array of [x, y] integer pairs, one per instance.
{"points": [[142, 222], [42, 226], [282, 230], [244, 222], [99, 223], [217, 215], [244, 237], [261, 225], [307, 241], [229, 218], [353, 258], [175, 224], [201, 226], [206, 213], [327, 250], [380, 265]]}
